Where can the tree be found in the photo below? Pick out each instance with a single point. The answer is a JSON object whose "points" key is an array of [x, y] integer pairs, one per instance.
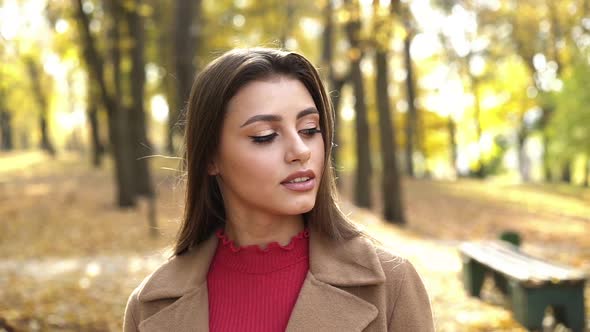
{"points": [[550, 46], [335, 83], [163, 54], [117, 120], [41, 99], [567, 130], [390, 180], [6, 143], [186, 41], [289, 19], [412, 113], [5, 130], [141, 146], [362, 191]]}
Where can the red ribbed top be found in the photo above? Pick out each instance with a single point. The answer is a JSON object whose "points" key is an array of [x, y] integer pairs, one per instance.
{"points": [[254, 289]]}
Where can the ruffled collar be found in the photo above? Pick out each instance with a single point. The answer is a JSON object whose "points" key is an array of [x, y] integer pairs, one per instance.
{"points": [[273, 246], [255, 260]]}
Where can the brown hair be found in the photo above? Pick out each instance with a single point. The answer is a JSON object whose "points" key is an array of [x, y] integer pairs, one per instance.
{"points": [[215, 85]]}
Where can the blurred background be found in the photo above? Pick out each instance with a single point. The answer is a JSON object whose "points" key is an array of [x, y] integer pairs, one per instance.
{"points": [[456, 121]]}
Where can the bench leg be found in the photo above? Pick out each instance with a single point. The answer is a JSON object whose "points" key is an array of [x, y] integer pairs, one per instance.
{"points": [[501, 282], [473, 277], [529, 304]]}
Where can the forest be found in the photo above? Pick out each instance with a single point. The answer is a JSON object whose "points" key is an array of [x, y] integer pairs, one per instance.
{"points": [[455, 120]]}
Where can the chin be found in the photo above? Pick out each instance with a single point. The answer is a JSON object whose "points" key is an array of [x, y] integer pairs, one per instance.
{"points": [[302, 207]]}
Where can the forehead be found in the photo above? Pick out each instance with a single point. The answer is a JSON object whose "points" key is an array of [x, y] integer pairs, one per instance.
{"points": [[279, 95]]}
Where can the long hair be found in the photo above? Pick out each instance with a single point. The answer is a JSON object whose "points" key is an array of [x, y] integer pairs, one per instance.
{"points": [[212, 89]]}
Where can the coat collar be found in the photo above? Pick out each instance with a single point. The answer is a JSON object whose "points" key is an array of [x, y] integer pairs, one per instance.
{"points": [[332, 265]]}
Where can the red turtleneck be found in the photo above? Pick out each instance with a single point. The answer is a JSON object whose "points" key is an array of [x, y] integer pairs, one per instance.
{"points": [[254, 289]]}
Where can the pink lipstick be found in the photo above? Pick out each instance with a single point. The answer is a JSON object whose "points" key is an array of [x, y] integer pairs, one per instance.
{"points": [[300, 181]]}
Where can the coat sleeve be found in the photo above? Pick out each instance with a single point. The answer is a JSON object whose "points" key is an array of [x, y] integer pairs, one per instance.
{"points": [[130, 319], [411, 308]]}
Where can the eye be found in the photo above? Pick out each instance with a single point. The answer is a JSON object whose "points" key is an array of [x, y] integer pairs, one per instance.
{"points": [[264, 139], [310, 131]]}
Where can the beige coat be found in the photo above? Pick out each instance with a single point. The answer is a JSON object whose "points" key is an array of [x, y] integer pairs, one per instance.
{"points": [[351, 286]]}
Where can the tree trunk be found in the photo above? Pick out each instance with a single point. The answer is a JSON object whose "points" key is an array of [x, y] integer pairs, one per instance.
{"points": [[452, 128], [41, 100], [6, 131], [96, 145], [411, 116], [335, 85], [45, 141], [391, 186], [556, 35], [163, 18], [97, 148], [566, 171], [335, 95], [5, 125], [480, 171], [362, 192], [185, 43], [546, 160], [118, 142], [122, 159], [138, 132], [288, 26], [548, 110], [120, 123], [173, 115], [524, 164]]}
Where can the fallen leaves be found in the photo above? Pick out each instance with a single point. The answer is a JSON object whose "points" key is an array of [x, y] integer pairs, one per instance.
{"points": [[69, 259]]}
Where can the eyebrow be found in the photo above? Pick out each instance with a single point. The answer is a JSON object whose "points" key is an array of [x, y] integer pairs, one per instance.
{"points": [[274, 118]]}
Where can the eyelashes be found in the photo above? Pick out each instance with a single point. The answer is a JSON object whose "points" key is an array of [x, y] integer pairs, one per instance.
{"points": [[310, 131], [264, 139], [269, 138]]}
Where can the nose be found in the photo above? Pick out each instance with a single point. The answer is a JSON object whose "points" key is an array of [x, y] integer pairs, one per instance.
{"points": [[297, 150]]}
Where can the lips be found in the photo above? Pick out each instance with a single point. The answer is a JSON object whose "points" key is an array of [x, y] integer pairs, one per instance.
{"points": [[299, 177], [302, 181]]}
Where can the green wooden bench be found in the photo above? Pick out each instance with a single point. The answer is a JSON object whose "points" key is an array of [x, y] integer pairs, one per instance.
{"points": [[532, 284]]}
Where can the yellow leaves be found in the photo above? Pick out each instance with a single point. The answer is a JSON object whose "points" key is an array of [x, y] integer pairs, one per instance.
{"points": [[145, 10], [354, 54], [19, 161], [343, 16]]}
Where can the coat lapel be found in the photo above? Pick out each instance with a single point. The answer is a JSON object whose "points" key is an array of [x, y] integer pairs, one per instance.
{"points": [[322, 307], [322, 304]]}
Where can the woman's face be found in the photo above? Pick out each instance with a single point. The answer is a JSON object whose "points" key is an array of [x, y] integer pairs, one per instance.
{"points": [[271, 152]]}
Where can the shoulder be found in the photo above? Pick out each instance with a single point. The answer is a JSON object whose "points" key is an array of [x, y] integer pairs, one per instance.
{"points": [[176, 277], [408, 302], [153, 286], [131, 318], [397, 269], [393, 265]]}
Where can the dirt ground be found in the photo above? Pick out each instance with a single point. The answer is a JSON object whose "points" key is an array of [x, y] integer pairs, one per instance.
{"points": [[69, 259]]}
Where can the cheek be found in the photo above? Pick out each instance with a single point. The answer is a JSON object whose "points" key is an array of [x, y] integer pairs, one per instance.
{"points": [[245, 163], [318, 149]]}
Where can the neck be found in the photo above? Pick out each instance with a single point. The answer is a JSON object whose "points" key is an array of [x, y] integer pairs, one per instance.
{"points": [[262, 231]]}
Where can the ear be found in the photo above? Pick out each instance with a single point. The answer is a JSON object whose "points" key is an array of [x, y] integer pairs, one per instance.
{"points": [[212, 168]]}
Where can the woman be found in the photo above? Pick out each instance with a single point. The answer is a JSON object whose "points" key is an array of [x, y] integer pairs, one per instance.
{"points": [[263, 245]]}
